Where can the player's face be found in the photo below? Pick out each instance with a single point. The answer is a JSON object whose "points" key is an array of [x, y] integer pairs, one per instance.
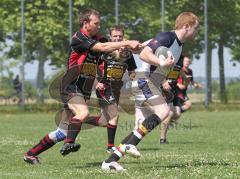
{"points": [[93, 25], [192, 31], [116, 36], [186, 62]]}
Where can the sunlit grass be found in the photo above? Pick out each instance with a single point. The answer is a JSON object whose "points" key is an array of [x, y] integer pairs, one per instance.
{"points": [[203, 145]]}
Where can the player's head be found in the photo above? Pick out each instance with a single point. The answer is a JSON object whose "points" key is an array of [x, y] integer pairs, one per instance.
{"points": [[116, 33], [89, 19], [186, 61], [189, 23]]}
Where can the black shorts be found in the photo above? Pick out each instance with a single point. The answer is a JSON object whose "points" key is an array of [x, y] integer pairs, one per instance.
{"points": [[110, 94], [80, 87]]}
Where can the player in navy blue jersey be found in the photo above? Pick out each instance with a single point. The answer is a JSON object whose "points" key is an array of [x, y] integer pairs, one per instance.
{"points": [[148, 83], [76, 85]]}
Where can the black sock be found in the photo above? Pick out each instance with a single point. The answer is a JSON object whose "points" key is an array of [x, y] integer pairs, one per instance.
{"points": [[111, 131], [147, 126], [74, 128], [126, 138], [134, 140], [112, 157]]}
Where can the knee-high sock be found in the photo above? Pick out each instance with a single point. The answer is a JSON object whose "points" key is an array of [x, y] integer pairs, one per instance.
{"points": [[111, 131], [74, 128], [44, 144], [147, 126], [126, 139]]}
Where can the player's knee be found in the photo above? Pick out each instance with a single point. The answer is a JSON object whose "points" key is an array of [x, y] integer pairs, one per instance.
{"points": [[57, 135], [82, 115], [177, 113], [102, 122], [163, 114], [188, 105], [167, 119]]}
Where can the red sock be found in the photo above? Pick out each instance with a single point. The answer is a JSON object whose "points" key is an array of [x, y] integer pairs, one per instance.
{"points": [[44, 144], [74, 128]]}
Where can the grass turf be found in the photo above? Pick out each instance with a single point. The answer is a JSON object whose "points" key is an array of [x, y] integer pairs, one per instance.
{"points": [[204, 145]]}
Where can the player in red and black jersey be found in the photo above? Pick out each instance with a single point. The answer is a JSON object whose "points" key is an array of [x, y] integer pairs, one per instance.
{"points": [[110, 73], [76, 84], [183, 83], [181, 100]]}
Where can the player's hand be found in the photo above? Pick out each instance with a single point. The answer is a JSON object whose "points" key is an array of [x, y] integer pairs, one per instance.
{"points": [[166, 86], [198, 86], [100, 86], [181, 86], [169, 60], [134, 44]]}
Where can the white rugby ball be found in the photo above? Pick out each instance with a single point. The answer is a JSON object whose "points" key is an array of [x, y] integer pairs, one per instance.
{"points": [[162, 51], [162, 54]]}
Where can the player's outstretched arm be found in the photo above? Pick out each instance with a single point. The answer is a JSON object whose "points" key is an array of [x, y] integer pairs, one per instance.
{"points": [[111, 46]]}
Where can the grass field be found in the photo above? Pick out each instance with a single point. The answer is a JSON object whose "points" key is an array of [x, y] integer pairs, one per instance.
{"points": [[208, 148]]}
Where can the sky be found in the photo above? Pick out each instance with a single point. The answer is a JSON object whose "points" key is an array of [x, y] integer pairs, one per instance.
{"points": [[198, 67]]}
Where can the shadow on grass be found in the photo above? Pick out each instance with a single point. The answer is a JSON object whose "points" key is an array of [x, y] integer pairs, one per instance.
{"points": [[149, 149], [90, 165], [199, 163], [188, 164]]}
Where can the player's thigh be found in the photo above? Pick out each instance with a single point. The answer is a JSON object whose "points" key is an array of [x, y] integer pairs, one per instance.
{"points": [[78, 106], [158, 105]]}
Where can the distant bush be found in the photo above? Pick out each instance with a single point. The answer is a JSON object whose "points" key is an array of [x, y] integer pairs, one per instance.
{"points": [[233, 90]]}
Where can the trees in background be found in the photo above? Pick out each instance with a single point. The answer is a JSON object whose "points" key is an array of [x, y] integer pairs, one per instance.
{"points": [[47, 32]]}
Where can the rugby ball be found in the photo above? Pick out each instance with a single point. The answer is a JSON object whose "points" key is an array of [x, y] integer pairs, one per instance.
{"points": [[162, 54]]}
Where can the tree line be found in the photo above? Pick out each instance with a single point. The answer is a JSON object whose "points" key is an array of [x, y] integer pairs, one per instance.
{"points": [[47, 29]]}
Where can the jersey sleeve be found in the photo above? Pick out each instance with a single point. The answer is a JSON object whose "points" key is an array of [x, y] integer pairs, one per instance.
{"points": [[161, 39], [131, 63], [81, 43], [191, 79]]}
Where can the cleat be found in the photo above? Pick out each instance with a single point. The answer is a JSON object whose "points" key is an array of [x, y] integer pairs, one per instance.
{"points": [[110, 150], [69, 147], [163, 141], [112, 166], [34, 160], [131, 150]]}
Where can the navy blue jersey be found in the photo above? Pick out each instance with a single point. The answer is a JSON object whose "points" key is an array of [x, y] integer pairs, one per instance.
{"points": [[169, 40], [157, 74]]}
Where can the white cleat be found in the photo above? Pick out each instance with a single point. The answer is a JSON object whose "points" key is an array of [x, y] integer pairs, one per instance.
{"points": [[112, 166], [131, 150]]}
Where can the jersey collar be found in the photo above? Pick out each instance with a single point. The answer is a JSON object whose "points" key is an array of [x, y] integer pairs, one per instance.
{"points": [[84, 32]]}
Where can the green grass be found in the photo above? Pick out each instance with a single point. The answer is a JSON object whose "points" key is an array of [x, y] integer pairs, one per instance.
{"points": [[209, 149]]}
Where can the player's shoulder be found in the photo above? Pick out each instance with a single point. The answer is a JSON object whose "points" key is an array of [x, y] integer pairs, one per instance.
{"points": [[166, 35], [164, 39]]}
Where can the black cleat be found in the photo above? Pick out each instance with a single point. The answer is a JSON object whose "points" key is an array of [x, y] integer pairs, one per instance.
{"points": [[34, 160], [163, 141], [69, 147]]}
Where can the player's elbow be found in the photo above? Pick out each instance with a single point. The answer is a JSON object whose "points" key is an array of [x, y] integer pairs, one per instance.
{"points": [[143, 55]]}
